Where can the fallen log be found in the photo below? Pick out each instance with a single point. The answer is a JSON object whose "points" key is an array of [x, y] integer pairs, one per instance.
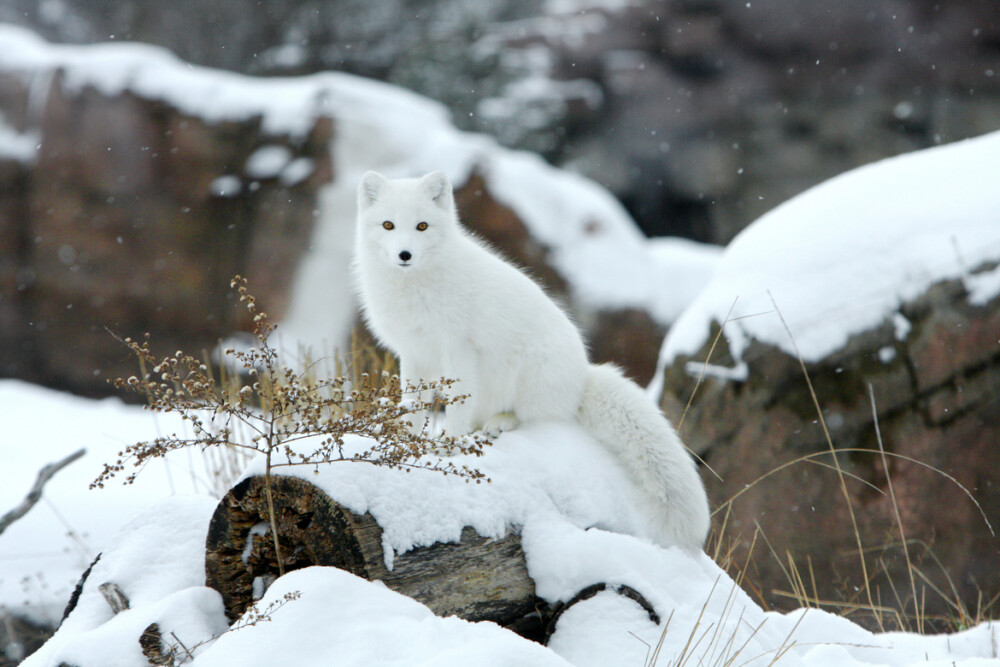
{"points": [[477, 578]]}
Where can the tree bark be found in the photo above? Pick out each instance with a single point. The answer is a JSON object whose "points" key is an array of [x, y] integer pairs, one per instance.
{"points": [[477, 578]]}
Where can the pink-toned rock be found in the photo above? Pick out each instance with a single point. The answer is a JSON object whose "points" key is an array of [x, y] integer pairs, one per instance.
{"points": [[938, 404], [123, 224]]}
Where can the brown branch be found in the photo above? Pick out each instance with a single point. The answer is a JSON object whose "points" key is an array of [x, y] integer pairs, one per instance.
{"points": [[35, 494]]}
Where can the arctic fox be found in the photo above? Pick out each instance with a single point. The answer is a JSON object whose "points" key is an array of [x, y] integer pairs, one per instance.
{"points": [[450, 307]]}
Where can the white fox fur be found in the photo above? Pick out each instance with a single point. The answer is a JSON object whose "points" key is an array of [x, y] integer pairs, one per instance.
{"points": [[450, 307]]}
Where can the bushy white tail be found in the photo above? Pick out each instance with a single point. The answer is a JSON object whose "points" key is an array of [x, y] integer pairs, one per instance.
{"points": [[618, 414]]}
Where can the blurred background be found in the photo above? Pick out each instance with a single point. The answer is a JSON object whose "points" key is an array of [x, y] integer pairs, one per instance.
{"points": [[699, 115], [134, 184]]}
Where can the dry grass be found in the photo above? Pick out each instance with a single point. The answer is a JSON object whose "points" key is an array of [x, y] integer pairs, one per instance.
{"points": [[903, 611]]}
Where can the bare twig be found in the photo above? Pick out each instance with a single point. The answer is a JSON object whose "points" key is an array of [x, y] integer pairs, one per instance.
{"points": [[35, 494]]}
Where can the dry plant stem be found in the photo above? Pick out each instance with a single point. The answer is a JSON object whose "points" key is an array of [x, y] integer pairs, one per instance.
{"points": [[35, 494], [833, 454], [787, 646], [917, 609], [704, 367], [271, 516], [268, 409]]}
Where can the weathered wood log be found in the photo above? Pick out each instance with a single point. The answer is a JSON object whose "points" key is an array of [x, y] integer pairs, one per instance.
{"points": [[154, 648], [477, 578], [114, 596]]}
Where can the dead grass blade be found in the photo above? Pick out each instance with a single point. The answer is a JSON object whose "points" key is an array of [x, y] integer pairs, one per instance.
{"points": [[833, 455]]}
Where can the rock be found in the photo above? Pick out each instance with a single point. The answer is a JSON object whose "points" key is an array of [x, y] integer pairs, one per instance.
{"points": [[20, 637], [937, 393], [582, 80], [119, 226]]}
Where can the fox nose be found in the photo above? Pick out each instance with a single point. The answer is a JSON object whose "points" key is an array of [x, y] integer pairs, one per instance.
{"points": [[405, 255]]}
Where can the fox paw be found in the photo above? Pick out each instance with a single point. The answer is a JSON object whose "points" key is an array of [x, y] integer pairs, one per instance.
{"points": [[497, 424]]}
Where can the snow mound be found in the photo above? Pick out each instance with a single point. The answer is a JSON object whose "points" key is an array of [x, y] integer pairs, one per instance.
{"points": [[843, 256], [341, 619], [157, 559], [43, 553], [529, 480], [572, 534]]}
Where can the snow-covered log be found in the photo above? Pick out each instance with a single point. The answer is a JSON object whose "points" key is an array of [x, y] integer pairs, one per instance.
{"points": [[621, 590], [476, 578]]}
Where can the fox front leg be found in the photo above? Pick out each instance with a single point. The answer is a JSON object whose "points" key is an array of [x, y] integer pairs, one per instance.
{"points": [[411, 375], [460, 413]]}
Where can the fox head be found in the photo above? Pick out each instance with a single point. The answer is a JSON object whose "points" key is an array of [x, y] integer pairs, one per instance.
{"points": [[404, 222]]}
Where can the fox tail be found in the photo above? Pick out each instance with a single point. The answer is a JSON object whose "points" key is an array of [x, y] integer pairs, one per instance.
{"points": [[618, 413]]}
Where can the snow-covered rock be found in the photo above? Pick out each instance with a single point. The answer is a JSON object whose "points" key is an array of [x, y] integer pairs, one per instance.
{"points": [[888, 278]]}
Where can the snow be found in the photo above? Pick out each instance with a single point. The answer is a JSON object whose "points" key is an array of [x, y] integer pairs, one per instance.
{"points": [[902, 223], [528, 482], [18, 146], [367, 625], [43, 554], [227, 185], [158, 560], [574, 526], [268, 161], [842, 257]]}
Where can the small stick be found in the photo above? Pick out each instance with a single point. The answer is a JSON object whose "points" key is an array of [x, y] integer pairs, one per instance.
{"points": [[35, 494], [114, 596]]}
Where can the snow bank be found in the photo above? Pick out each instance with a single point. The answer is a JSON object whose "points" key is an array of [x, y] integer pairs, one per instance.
{"points": [[567, 491], [43, 554], [842, 257], [158, 561], [341, 619]]}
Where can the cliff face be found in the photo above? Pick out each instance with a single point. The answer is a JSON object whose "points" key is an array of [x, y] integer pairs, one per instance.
{"points": [[130, 217], [861, 315]]}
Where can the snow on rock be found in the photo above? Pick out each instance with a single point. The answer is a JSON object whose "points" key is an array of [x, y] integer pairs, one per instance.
{"points": [[591, 241], [843, 256], [18, 146], [268, 161], [345, 620]]}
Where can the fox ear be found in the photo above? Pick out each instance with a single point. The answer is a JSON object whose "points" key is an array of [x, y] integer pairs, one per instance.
{"points": [[439, 188], [369, 189]]}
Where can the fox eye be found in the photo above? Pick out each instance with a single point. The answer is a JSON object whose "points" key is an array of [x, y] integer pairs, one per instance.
{"points": [[388, 225], [421, 226]]}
